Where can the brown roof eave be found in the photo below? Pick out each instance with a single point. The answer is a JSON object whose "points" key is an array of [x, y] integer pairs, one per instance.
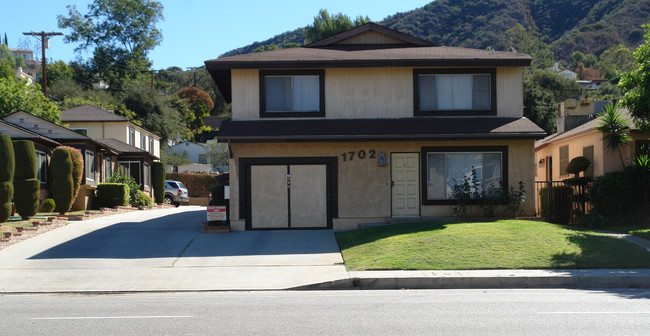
{"points": [[227, 65], [383, 137]]}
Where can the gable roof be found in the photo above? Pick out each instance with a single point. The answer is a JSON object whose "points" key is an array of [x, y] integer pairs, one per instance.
{"points": [[381, 129], [124, 148], [371, 27], [18, 133], [330, 53], [89, 113], [42, 127]]}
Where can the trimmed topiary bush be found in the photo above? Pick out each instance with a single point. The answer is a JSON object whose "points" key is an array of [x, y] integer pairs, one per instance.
{"points": [[26, 186], [112, 194], [142, 200], [577, 165], [62, 183], [158, 181], [77, 169], [48, 205], [7, 164]]}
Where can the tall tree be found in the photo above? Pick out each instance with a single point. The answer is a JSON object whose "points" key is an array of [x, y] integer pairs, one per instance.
{"points": [[120, 32], [326, 25], [529, 42], [539, 105], [636, 85], [17, 95]]}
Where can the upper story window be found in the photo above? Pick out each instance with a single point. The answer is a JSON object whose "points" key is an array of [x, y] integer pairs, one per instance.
{"points": [[454, 92], [82, 131], [286, 93], [143, 142], [131, 136], [151, 145]]}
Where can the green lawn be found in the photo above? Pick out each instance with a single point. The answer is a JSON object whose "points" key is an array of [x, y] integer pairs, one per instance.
{"points": [[642, 231], [506, 244]]}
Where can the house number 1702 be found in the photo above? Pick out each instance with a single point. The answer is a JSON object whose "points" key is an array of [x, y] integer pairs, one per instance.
{"points": [[362, 154]]}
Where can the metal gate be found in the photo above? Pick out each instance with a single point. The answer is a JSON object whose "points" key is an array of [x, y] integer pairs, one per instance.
{"points": [[561, 203]]}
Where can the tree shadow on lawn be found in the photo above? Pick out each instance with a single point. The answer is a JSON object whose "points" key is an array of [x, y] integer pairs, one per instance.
{"points": [[348, 239], [600, 252]]}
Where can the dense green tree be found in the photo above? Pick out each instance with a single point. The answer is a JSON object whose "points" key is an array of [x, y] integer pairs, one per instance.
{"points": [[120, 32], [58, 70], [529, 42], [636, 85], [326, 25], [561, 87], [539, 105], [199, 103], [17, 95], [160, 114], [6, 71], [267, 47], [615, 60]]}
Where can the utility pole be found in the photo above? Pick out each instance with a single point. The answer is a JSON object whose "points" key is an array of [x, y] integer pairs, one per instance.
{"points": [[45, 38], [194, 71]]}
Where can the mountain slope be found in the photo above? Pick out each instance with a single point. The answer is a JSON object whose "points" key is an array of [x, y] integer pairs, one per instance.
{"points": [[590, 26]]}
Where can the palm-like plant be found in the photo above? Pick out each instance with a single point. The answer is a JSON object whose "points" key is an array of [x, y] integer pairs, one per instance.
{"points": [[615, 131]]}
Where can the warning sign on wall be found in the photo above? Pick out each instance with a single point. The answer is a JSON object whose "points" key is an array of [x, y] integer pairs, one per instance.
{"points": [[217, 213]]}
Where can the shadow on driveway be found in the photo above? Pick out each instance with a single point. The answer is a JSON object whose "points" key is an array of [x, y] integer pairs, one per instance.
{"points": [[179, 234]]}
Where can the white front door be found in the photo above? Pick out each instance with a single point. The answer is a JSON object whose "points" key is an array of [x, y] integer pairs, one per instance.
{"points": [[405, 183]]}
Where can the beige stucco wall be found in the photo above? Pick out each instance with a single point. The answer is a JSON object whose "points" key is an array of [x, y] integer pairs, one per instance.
{"points": [[604, 161], [370, 93], [364, 188]]}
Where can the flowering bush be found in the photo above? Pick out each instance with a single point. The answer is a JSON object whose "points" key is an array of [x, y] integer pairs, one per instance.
{"points": [[517, 198]]}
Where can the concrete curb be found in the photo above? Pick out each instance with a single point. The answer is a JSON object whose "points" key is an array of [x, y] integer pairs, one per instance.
{"points": [[490, 280]]}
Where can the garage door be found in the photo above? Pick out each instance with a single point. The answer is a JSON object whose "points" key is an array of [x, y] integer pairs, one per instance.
{"points": [[288, 196]]}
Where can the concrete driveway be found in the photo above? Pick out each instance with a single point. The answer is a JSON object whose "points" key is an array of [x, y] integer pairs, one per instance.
{"points": [[163, 250]]}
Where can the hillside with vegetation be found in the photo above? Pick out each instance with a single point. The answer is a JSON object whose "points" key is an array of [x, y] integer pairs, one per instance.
{"points": [[588, 26]]}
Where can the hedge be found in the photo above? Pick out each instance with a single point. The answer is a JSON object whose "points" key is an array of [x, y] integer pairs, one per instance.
{"points": [[7, 164], [142, 199], [26, 186], [158, 181], [622, 196], [62, 183], [562, 204], [198, 185], [112, 194]]}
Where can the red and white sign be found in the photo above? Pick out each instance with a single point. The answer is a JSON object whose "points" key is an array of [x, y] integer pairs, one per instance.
{"points": [[217, 213]]}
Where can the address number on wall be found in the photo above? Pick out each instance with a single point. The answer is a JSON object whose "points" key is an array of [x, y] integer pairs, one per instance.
{"points": [[360, 155]]}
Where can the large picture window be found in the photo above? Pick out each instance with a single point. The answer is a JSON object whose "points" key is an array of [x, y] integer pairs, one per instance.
{"points": [[455, 92], [130, 168], [292, 93], [446, 167]]}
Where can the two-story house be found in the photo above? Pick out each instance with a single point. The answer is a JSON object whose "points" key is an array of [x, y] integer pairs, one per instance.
{"points": [[138, 146], [367, 125]]}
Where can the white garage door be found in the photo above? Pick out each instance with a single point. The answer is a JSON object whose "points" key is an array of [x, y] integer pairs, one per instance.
{"points": [[288, 196]]}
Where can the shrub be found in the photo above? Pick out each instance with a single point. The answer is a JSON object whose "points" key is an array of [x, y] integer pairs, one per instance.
{"points": [[77, 168], [26, 194], [62, 183], [48, 205], [577, 165], [158, 181], [26, 185], [134, 187], [198, 185], [112, 194], [142, 199], [561, 200], [621, 196], [7, 164]]}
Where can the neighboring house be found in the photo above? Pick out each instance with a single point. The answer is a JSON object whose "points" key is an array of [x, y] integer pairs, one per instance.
{"points": [[554, 152], [367, 125], [102, 157], [32, 66], [98, 123], [22, 75], [195, 152], [568, 74]]}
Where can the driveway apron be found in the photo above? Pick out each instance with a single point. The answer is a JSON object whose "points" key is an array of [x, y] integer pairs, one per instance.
{"points": [[163, 250]]}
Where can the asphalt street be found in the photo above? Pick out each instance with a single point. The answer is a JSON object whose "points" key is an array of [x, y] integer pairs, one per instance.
{"points": [[414, 312]]}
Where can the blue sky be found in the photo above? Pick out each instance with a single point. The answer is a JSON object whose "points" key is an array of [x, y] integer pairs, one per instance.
{"points": [[195, 31]]}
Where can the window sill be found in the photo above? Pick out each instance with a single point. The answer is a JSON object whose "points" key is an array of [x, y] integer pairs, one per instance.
{"points": [[292, 114]]}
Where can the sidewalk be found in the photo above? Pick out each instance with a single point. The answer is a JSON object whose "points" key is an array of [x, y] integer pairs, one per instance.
{"points": [[162, 250]]}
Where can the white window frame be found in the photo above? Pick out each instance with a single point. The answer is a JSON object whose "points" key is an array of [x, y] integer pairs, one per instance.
{"points": [[132, 136], [90, 167], [146, 173], [41, 166]]}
